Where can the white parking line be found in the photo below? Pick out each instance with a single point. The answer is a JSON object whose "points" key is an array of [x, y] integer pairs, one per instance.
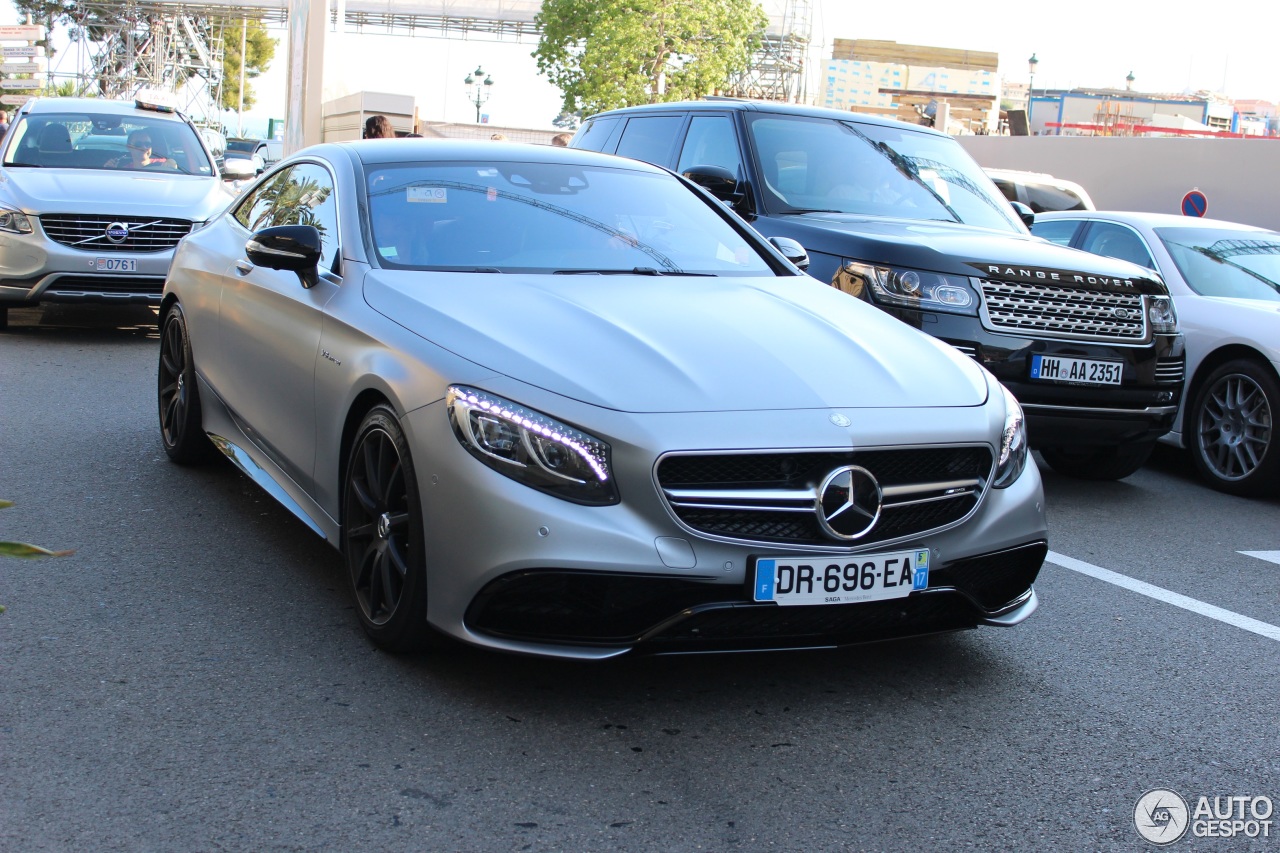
{"points": [[1255, 626], [1269, 556]]}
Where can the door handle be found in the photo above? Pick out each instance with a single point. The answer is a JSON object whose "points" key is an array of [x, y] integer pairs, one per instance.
{"points": [[244, 267]]}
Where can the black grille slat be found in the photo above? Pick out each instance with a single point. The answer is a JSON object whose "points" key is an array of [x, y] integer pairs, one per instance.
{"points": [[107, 284], [1053, 309], [799, 471], [87, 232]]}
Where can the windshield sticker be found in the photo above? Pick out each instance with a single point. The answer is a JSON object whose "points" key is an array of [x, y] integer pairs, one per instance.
{"points": [[428, 195]]}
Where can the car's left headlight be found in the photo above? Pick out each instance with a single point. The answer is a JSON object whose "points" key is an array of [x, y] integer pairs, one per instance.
{"points": [[1013, 443], [14, 221], [531, 448], [1163, 316], [908, 288]]}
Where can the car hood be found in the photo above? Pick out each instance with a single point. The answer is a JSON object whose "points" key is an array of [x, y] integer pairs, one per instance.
{"points": [[36, 191], [948, 247], [680, 344]]}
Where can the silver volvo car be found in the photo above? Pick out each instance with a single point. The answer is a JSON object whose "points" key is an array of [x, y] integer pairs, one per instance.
{"points": [[560, 403], [94, 196]]}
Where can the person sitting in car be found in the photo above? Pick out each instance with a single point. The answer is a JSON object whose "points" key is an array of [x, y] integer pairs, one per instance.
{"points": [[140, 154]]}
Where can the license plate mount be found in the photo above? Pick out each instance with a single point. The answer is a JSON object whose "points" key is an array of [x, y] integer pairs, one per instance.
{"points": [[115, 264], [808, 579], [1076, 371]]}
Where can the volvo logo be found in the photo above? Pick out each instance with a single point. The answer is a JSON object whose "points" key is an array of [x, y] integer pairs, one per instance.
{"points": [[849, 502], [117, 232]]}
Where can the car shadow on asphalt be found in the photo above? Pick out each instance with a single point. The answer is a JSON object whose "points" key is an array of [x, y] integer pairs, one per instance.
{"points": [[89, 323]]}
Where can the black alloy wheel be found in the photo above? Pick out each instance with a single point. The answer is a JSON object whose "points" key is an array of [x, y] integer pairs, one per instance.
{"points": [[181, 429], [1109, 462], [382, 536], [1231, 429]]}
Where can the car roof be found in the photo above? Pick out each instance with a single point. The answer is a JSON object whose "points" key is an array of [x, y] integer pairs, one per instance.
{"points": [[716, 104], [96, 106], [386, 151], [1151, 220]]}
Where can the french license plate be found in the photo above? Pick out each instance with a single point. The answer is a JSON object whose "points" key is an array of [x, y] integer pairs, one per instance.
{"points": [[115, 264], [822, 579], [1083, 370]]}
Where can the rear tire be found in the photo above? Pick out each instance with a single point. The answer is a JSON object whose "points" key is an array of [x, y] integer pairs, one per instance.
{"points": [[383, 538], [181, 426], [1230, 430], [1098, 463]]}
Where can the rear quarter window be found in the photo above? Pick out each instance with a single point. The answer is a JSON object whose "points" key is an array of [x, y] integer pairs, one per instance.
{"points": [[595, 134], [650, 138]]}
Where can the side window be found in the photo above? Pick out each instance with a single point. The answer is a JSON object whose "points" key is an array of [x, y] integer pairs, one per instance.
{"points": [[301, 195], [711, 142], [1044, 197], [1117, 241], [1007, 188], [1059, 231], [650, 138], [595, 134]]}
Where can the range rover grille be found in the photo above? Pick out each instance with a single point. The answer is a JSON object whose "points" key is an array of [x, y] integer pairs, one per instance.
{"points": [[88, 232], [1064, 311], [772, 497]]}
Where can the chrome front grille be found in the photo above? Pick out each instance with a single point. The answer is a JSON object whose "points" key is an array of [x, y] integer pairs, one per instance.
{"points": [[1063, 311], [1173, 369], [89, 232], [773, 496]]}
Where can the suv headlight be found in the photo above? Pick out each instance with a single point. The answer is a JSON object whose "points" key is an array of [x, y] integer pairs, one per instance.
{"points": [[531, 448], [1013, 443], [15, 222], [910, 288], [1161, 313]]}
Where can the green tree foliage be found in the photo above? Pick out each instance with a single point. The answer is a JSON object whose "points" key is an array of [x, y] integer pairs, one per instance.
{"points": [[604, 54], [259, 48]]}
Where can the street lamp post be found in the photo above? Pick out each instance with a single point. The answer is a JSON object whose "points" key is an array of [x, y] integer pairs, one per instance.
{"points": [[1128, 82], [480, 84], [1031, 83]]}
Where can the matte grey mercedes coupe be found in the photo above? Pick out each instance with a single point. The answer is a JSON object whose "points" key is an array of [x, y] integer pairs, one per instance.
{"points": [[560, 403]]}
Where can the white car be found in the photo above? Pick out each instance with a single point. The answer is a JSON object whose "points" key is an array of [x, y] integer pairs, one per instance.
{"points": [[1225, 281]]}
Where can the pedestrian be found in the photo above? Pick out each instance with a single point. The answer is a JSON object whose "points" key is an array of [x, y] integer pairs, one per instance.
{"points": [[4, 123], [378, 127], [499, 137], [561, 140]]}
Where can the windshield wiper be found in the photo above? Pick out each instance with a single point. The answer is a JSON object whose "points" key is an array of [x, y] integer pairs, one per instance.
{"points": [[811, 210], [633, 271]]}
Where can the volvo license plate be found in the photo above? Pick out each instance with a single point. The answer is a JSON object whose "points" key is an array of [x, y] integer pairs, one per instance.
{"points": [[115, 264], [822, 579], [1085, 371]]}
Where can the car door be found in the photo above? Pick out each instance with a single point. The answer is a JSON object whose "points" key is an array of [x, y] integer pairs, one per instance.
{"points": [[270, 325]]}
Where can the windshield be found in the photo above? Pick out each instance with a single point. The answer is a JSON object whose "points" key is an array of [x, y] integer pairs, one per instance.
{"points": [[129, 141], [242, 145], [549, 218], [813, 164], [1225, 262]]}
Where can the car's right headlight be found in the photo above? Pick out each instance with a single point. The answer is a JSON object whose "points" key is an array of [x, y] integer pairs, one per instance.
{"points": [[531, 448], [908, 288], [1013, 443], [14, 221]]}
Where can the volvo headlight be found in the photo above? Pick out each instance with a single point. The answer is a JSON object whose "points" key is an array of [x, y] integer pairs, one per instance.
{"points": [[1161, 313], [532, 448], [911, 288], [14, 222], [1013, 443]]}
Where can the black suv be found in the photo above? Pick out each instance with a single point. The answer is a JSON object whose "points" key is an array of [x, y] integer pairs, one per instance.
{"points": [[902, 217]]}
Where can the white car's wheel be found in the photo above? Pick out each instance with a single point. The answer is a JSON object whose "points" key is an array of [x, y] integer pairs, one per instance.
{"points": [[1231, 429]]}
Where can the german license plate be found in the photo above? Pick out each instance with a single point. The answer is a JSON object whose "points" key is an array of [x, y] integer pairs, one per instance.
{"points": [[115, 264], [822, 579], [1086, 371]]}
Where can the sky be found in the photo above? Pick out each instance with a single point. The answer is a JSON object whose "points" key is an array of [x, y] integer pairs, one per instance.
{"points": [[1227, 45]]}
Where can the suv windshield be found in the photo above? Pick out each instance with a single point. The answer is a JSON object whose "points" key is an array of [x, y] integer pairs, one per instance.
{"points": [[811, 164], [1240, 264], [128, 141], [549, 218]]}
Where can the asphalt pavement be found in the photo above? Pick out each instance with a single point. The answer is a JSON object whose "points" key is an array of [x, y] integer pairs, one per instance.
{"points": [[193, 678]]}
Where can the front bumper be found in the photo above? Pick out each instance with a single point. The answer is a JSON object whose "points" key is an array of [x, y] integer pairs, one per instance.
{"points": [[1142, 408], [35, 269], [517, 570]]}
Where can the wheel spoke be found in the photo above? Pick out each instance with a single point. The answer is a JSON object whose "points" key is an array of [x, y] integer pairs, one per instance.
{"points": [[396, 558]]}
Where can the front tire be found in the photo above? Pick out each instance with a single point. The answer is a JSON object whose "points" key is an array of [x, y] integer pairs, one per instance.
{"points": [[1098, 463], [1231, 429], [383, 537], [181, 427]]}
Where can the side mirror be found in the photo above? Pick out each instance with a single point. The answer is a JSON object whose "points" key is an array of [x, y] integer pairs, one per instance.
{"points": [[792, 251], [238, 170], [288, 247], [717, 180], [1024, 213]]}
